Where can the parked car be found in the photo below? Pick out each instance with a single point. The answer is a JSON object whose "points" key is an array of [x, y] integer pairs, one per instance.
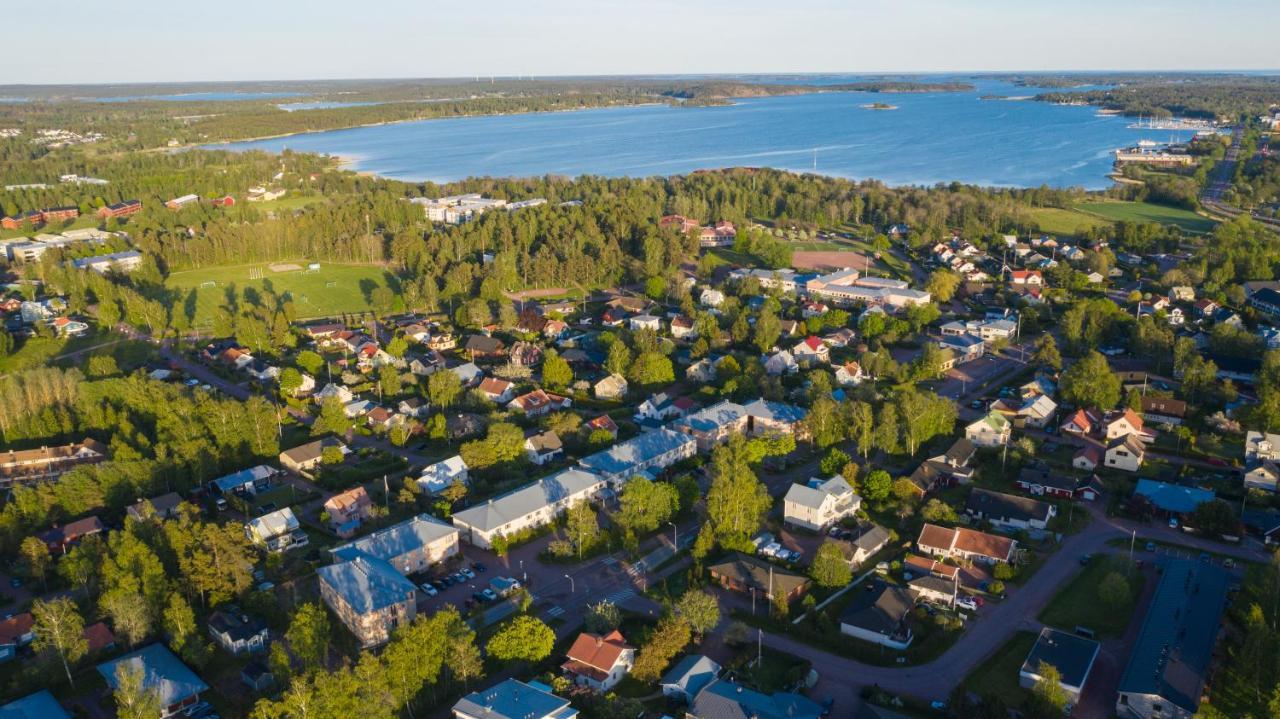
{"points": [[479, 567], [466, 572], [428, 590], [1173, 522], [1151, 546], [489, 595], [967, 603]]}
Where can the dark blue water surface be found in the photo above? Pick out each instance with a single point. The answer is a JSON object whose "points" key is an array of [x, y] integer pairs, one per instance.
{"points": [[930, 138]]}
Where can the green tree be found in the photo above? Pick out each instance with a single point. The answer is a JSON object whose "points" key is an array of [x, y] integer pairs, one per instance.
{"points": [[877, 485], [59, 629], [525, 638], [444, 388], [310, 362], [618, 359], [1091, 383], [651, 368], [179, 623], [290, 381], [829, 567], [333, 418], [647, 505], [397, 346], [833, 462], [737, 500], [1047, 354], [1048, 692], [602, 617], [938, 512], [308, 635], [582, 527], [668, 639], [134, 699], [389, 380], [556, 373], [700, 610], [35, 559], [768, 329], [942, 284], [1113, 590]]}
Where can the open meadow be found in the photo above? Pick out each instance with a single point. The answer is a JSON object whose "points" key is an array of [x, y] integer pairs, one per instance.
{"points": [[331, 290]]}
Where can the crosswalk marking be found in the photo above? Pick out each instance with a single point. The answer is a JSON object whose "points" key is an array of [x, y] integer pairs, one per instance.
{"points": [[621, 595], [555, 611], [609, 561]]}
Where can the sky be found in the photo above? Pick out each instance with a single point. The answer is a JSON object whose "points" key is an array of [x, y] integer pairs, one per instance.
{"points": [[166, 41]]}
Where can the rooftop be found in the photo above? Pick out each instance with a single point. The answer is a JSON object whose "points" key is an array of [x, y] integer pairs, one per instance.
{"points": [[161, 670], [396, 540], [1073, 656], [506, 508]]}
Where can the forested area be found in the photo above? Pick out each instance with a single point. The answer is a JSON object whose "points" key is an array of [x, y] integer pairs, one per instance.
{"points": [[160, 437], [1198, 96]]}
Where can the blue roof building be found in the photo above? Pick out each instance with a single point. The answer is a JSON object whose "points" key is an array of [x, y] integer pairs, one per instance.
{"points": [[163, 672], [40, 705], [250, 480], [1173, 498], [687, 678], [514, 699], [655, 450], [1170, 659], [728, 700], [370, 597], [410, 546], [774, 412]]}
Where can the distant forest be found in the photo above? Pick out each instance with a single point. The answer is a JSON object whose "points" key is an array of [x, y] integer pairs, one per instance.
{"points": [[1210, 97]]}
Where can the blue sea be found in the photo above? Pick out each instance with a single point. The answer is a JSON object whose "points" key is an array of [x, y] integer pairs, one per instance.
{"points": [[930, 138]]}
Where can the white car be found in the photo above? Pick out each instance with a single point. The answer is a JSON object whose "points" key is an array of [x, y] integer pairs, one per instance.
{"points": [[427, 589], [967, 603], [771, 549]]}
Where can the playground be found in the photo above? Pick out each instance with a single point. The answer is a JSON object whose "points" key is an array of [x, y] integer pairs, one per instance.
{"points": [[317, 289]]}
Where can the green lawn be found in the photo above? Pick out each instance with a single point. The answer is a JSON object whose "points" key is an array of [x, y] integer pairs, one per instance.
{"points": [[1057, 221], [998, 676], [1079, 605], [1149, 212], [80, 222], [333, 290], [287, 203]]}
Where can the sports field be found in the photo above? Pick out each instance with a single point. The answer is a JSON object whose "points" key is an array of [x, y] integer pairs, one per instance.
{"points": [[1057, 221], [331, 290]]}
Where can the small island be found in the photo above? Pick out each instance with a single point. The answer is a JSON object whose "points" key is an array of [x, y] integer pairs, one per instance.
{"points": [[879, 106]]}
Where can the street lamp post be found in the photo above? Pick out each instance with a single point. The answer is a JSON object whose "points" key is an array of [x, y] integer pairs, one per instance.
{"points": [[675, 536], [571, 587]]}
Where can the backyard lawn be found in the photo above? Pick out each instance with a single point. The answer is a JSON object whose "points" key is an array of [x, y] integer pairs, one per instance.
{"points": [[998, 676], [1079, 604], [332, 290]]}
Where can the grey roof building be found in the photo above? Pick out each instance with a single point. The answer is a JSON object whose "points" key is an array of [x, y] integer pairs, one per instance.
{"points": [[393, 543], [1008, 509], [514, 699], [1167, 667], [688, 677], [532, 505], [1071, 655], [367, 584], [40, 705], [727, 700], [161, 671], [649, 450], [881, 615]]}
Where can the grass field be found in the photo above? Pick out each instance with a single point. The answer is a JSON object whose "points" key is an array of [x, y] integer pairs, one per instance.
{"points": [[1057, 221], [1079, 604], [998, 676], [286, 203], [1149, 212], [333, 290], [79, 223]]}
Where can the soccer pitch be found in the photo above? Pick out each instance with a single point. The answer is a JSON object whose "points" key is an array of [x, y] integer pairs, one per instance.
{"points": [[330, 290]]}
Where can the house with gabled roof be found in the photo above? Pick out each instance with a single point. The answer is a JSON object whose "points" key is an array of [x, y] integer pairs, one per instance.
{"points": [[276, 531], [40, 705], [1073, 656], [177, 686], [347, 510], [498, 391], [965, 544], [1009, 511], [649, 451], [542, 447], [1082, 423], [683, 681], [880, 615], [532, 505], [1125, 453], [539, 402], [599, 661], [514, 699], [780, 363], [993, 430], [812, 350], [724, 699], [369, 596], [819, 504], [712, 426], [768, 418], [612, 387]]}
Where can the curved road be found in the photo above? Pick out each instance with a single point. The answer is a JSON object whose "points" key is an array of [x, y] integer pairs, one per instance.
{"points": [[996, 623]]}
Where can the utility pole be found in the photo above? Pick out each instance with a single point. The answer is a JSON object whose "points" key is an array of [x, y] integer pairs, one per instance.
{"points": [[386, 494], [1133, 536]]}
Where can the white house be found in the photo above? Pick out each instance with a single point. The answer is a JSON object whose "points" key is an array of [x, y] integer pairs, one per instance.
{"points": [[612, 387], [438, 476], [532, 505], [1125, 453], [849, 374], [543, 447], [644, 322], [711, 298], [993, 430], [812, 351], [1009, 511], [781, 363], [599, 661], [819, 503]]}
